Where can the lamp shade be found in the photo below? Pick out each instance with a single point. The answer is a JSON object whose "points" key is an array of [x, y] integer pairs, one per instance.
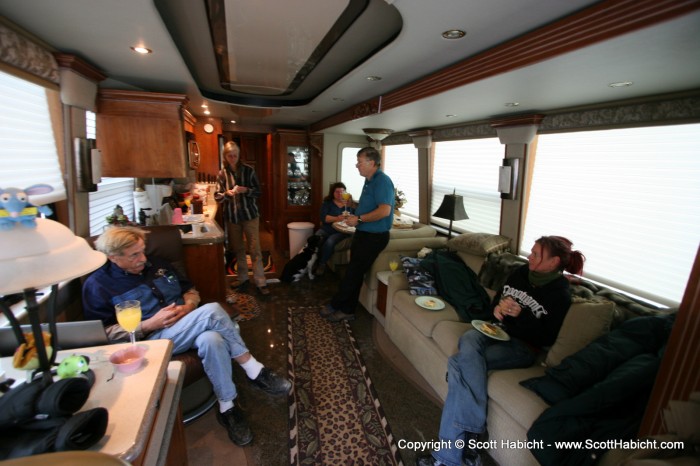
{"points": [[377, 134], [452, 208], [43, 256]]}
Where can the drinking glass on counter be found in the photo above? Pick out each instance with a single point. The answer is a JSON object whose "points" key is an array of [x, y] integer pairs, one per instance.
{"points": [[129, 316]]}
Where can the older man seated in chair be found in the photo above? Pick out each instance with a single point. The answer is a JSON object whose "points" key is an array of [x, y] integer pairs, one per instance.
{"points": [[170, 309]]}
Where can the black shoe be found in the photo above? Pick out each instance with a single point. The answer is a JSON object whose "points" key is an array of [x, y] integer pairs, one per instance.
{"points": [[471, 457], [326, 310], [427, 460], [236, 425], [339, 316], [271, 383]]}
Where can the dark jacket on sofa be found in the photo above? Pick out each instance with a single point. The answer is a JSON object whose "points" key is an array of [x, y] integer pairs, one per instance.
{"points": [[599, 393]]}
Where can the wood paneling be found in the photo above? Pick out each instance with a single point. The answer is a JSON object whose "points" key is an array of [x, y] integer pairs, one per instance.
{"points": [[142, 134]]}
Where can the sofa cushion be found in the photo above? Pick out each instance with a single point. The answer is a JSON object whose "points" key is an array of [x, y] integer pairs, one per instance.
{"points": [[420, 281], [585, 321], [446, 335], [523, 405], [422, 319], [478, 243]]}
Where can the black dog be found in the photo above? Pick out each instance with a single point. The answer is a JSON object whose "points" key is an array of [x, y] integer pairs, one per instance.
{"points": [[303, 263]]}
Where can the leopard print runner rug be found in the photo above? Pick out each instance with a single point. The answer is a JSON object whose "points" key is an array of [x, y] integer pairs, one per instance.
{"points": [[334, 414]]}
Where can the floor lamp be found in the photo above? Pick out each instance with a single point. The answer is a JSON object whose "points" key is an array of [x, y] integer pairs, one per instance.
{"points": [[35, 258], [452, 208]]}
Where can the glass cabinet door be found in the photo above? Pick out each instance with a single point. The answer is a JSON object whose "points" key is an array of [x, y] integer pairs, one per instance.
{"points": [[298, 176]]}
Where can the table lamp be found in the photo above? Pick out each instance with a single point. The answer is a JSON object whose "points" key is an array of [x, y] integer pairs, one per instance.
{"points": [[35, 258], [452, 208]]}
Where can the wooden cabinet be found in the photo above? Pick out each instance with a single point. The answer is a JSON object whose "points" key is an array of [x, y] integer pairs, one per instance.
{"points": [[297, 182], [142, 134]]}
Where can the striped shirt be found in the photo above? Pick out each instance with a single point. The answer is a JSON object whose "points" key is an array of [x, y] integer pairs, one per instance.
{"points": [[239, 207]]}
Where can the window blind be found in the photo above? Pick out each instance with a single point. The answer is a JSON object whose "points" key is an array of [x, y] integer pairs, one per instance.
{"points": [[469, 167], [628, 199], [110, 191], [401, 164], [28, 153]]}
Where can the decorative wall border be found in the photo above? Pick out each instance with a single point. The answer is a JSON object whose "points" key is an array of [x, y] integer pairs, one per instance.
{"points": [[25, 55]]}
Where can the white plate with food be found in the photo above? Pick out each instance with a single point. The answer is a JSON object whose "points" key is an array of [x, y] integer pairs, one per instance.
{"points": [[490, 330], [430, 302]]}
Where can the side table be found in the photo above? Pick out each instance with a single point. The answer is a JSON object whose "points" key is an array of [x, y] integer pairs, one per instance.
{"points": [[382, 286]]}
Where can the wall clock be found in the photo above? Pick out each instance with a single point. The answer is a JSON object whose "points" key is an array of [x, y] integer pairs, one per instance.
{"points": [[208, 128]]}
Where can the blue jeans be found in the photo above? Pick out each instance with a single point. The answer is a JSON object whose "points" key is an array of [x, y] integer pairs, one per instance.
{"points": [[217, 339], [465, 407], [328, 243], [364, 250]]}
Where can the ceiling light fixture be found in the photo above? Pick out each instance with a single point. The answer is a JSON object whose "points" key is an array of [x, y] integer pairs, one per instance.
{"points": [[338, 99], [207, 112], [512, 104], [377, 135], [141, 49], [453, 34], [621, 84], [374, 78], [450, 115]]}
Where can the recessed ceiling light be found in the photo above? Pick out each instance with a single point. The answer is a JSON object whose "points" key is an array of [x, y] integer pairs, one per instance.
{"points": [[450, 115], [233, 121], [207, 112], [512, 104], [204, 105], [621, 84], [338, 99], [453, 34], [374, 78], [141, 49]]}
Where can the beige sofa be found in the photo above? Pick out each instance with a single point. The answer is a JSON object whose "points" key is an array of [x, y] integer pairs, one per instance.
{"points": [[428, 338]]}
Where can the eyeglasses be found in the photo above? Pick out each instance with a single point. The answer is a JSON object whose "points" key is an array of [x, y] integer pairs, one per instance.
{"points": [[360, 163]]}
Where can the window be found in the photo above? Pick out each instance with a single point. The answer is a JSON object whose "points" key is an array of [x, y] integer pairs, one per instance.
{"points": [[401, 164], [470, 167], [110, 192], [29, 154], [348, 172], [628, 199]]}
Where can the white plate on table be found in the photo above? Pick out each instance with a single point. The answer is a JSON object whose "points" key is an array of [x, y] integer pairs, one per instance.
{"points": [[499, 334], [430, 303]]}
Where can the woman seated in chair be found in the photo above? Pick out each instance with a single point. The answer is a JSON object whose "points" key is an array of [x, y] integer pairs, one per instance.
{"points": [[332, 210]]}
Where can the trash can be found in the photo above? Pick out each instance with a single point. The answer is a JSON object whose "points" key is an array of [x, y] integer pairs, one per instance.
{"points": [[298, 234]]}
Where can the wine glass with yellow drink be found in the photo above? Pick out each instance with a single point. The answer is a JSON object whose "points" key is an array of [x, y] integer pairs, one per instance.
{"points": [[129, 316], [346, 197], [393, 264]]}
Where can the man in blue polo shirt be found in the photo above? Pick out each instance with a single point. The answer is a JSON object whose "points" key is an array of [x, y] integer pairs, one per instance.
{"points": [[373, 218]]}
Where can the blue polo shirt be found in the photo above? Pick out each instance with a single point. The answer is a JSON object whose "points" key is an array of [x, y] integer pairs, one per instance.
{"points": [[377, 190]]}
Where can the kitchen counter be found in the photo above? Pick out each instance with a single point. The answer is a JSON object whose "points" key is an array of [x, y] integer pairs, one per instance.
{"points": [[211, 232]]}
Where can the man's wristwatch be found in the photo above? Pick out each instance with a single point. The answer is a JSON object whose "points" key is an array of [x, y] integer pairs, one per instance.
{"points": [[359, 219]]}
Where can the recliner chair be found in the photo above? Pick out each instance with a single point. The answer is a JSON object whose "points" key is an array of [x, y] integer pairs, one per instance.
{"points": [[197, 396]]}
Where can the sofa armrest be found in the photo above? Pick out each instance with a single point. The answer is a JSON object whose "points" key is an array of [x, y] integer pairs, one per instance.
{"points": [[397, 282]]}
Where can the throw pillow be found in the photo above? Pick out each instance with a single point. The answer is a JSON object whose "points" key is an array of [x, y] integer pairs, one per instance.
{"points": [[480, 244], [420, 281], [585, 321], [497, 268]]}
